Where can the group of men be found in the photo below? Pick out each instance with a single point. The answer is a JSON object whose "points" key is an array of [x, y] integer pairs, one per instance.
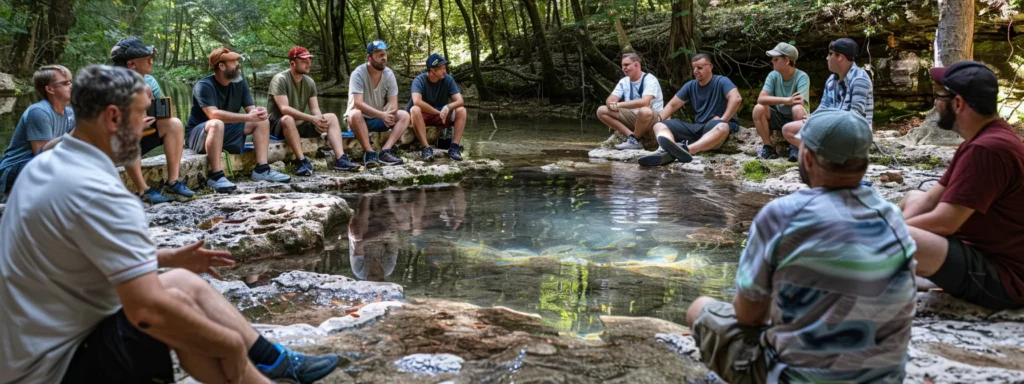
{"points": [[216, 123], [826, 283]]}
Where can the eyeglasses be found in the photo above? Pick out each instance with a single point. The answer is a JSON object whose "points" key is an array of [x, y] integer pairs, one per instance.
{"points": [[64, 83], [943, 96]]}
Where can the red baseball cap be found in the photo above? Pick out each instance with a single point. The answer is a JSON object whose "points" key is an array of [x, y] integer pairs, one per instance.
{"points": [[298, 53]]}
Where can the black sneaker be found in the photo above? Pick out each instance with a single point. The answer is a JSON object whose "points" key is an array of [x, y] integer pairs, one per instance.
{"points": [[303, 167], [680, 152], [371, 160], [428, 154], [657, 159], [343, 164], [388, 157], [768, 152], [794, 153], [455, 152]]}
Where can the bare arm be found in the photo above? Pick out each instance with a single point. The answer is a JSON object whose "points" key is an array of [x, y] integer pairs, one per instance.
{"points": [[366, 109], [944, 220], [314, 107], [925, 204], [417, 100], [734, 104], [672, 106], [392, 104], [38, 145], [766, 99], [282, 104], [752, 313], [641, 102], [230, 117], [456, 101]]}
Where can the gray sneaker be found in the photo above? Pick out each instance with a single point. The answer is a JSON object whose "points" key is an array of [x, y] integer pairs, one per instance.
{"points": [[271, 175], [221, 185], [630, 143], [388, 157]]}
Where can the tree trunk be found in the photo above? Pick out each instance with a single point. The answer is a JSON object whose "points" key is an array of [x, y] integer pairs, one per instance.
{"points": [[59, 20], [682, 41], [427, 24], [483, 16], [527, 40], [408, 37], [444, 31], [577, 11], [338, 21], [25, 43], [551, 82], [504, 22], [356, 19], [474, 52], [376, 20]]}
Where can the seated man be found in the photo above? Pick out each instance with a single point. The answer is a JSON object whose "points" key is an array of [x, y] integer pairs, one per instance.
{"points": [[373, 105], [82, 298], [436, 102], [43, 121], [825, 286], [131, 53], [715, 99], [289, 95], [969, 227], [848, 88], [782, 98], [634, 104], [215, 124]]}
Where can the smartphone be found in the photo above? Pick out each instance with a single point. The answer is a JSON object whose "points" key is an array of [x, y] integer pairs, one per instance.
{"points": [[160, 108]]}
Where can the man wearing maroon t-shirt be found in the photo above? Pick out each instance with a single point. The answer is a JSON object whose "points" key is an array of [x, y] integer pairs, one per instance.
{"points": [[969, 228]]}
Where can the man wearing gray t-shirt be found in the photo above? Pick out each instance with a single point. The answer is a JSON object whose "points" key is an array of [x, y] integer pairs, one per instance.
{"points": [[373, 105]]}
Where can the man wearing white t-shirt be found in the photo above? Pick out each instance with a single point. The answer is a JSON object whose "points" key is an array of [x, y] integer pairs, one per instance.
{"points": [[633, 106]]}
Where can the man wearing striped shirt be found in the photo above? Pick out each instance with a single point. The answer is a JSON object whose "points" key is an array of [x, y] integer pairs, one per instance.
{"points": [[825, 286], [849, 89]]}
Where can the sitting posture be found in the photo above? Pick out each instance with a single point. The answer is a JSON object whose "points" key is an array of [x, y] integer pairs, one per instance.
{"points": [[783, 97], [825, 285], [373, 106], [634, 104], [436, 102]]}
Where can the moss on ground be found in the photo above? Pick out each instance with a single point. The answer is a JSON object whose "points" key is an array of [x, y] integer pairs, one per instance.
{"points": [[759, 170]]}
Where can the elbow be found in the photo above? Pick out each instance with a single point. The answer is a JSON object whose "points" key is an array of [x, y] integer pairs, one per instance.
{"points": [[144, 316]]}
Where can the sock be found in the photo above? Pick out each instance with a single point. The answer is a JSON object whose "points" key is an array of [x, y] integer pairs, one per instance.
{"points": [[305, 160], [263, 352], [215, 175], [261, 168]]}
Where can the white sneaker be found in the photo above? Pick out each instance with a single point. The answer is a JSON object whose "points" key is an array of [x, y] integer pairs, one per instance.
{"points": [[630, 143]]}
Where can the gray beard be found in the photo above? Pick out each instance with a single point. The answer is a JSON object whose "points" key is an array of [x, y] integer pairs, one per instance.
{"points": [[125, 145]]}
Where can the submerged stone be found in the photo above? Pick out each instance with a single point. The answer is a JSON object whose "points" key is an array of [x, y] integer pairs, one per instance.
{"points": [[430, 363]]}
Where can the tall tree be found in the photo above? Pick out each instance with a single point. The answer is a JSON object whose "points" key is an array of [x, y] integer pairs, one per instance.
{"points": [[682, 40], [337, 15], [474, 52], [486, 22], [444, 32], [376, 20], [552, 84]]}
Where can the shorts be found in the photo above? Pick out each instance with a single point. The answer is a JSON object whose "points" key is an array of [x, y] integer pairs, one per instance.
{"points": [[117, 352], [967, 274], [434, 120], [777, 119], [150, 141], [234, 138], [628, 118], [8, 176], [732, 350], [691, 132], [305, 128], [373, 124]]}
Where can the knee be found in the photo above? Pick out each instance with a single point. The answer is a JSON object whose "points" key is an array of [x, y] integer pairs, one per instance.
{"points": [[695, 308], [910, 197], [790, 130], [759, 111], [172, 125], [602, 110], [355, 114], [799, 111], [287, 120], [187, 283], [214, 125], [403, 115], [460, 112], [331, 116], [645, 112], [415, 111], [660, 128]]}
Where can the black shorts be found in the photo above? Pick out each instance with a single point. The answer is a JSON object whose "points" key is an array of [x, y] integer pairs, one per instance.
{"points": [[777, 119], [234, 138], [306, 129], [117, 352], [150, 142], [691, 132], [967, 274]]}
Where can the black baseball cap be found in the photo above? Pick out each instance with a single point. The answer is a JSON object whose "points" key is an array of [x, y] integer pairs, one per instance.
{"points": [[972, 80], [129, 48], [435, 60], [846, 47]]}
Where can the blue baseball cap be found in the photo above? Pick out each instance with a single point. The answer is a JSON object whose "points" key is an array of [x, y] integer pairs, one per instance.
{"points": [[376, 45], [435, 60]]}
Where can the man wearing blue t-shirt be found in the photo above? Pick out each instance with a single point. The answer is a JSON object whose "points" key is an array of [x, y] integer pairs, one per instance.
{"points": [[46, 120], [436, 102], [715, 99]]}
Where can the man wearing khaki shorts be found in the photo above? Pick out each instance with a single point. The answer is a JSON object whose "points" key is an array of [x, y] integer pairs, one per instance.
{"points": [[634, 105], [825, 286]]}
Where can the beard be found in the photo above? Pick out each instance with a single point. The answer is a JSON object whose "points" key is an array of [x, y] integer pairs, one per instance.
{"points": [[125, 144], [804, 177], [233, 73], [947, 117], [377, 65]]}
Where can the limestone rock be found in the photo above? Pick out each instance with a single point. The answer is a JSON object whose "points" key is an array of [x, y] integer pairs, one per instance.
{"points": [[929, 133], [251, 226], [430, 363], [7, 105], [7, 86]]}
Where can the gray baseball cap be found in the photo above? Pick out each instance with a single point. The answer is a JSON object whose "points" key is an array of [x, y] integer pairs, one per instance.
{"points": [[837, 135], [783, 49]]}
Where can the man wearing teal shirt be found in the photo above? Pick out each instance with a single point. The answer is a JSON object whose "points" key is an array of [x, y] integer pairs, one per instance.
{"points": [[783, 98]]}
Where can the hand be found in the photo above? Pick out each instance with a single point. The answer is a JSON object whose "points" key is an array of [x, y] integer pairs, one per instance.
{"points": [[716, 118], [234, 366], [444, 114], [796, 99], [613, 106], [148, 120], [321, 123], [262, 113], [389, 119], [197, 259]]}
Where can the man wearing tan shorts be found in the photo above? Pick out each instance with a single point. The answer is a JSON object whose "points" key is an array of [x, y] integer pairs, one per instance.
{"points": [[633, 106]]}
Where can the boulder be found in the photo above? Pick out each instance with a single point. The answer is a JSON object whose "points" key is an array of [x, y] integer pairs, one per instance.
{"points": [[7, 87]]}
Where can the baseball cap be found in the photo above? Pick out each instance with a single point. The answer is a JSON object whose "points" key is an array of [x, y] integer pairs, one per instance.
{"points": [[222, 54], [129, 48], [837, 135], [845, 46], [972, 80], [436, 60], [298, 52], [376, 45], [783, 49]]}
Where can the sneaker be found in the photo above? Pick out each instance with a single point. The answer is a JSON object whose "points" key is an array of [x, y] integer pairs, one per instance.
{"points": [[657, 159], [387, 157], [297, 367], [630, 143], [455, 152], [680, 152], [794, 153], [428, 154], [768, 152], [303, 167], [371, 159], [153, 196], [271, 175], [221, 185], [343, 164], [179, 188]]}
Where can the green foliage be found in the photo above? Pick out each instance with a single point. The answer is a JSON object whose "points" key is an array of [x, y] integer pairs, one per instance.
{"points": [[755, 170]]}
